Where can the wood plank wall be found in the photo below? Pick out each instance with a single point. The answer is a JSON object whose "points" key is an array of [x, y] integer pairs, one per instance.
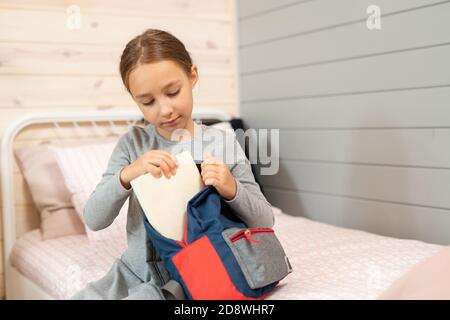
{"points": [[45, 66]]}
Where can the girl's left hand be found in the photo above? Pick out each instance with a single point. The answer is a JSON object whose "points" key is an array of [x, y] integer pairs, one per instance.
{"points": [[218, 174]]}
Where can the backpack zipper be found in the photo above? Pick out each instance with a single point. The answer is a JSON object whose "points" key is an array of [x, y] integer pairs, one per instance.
{"points": [[247, 233]]}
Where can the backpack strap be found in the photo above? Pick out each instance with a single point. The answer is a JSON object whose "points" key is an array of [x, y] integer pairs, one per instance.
{"points": [[172, 290]]}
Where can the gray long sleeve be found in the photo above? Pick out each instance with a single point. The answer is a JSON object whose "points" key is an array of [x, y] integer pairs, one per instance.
{"points": [[105, 202], [107, 199], [249, 204]]}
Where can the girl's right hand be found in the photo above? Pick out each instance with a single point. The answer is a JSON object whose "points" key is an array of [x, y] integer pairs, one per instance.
{"points": [[156, 162]]}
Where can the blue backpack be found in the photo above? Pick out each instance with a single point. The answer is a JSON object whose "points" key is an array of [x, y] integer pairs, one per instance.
{"points": [[219, 257]]}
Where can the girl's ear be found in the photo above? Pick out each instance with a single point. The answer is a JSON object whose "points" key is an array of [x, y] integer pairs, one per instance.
{"points": [[194, 75]]}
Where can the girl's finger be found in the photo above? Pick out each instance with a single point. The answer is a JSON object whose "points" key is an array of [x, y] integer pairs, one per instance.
{"points": [[210, 159], [210, 174], [155, 171], [208, 169], [171, 160], [211, 181], [214, 166], [162, 163]]}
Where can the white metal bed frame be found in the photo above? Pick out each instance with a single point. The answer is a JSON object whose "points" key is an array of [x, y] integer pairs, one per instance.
{"points": [[17, 285]]}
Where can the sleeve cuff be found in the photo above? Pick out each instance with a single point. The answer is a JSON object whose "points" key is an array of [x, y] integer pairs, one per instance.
{"points": [[238, 192], [119, 188]]}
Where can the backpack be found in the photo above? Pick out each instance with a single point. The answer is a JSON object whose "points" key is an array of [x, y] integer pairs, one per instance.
{"points": [[219, 257]]}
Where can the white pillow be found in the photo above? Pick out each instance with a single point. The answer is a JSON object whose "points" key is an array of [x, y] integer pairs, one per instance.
{"points": [[82, 168]]}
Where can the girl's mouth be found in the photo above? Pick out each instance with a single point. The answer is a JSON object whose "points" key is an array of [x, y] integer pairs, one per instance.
{"points": [[172, 122]]}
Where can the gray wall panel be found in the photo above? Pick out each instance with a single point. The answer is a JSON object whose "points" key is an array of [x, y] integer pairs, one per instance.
{"points": [[364, 114]]}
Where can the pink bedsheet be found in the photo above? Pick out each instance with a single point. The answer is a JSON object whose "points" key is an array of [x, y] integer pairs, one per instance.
{"points": [[63, 266], [329, 262]]}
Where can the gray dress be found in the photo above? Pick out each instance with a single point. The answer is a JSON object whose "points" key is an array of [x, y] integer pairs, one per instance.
{"points": [[139, 273]]}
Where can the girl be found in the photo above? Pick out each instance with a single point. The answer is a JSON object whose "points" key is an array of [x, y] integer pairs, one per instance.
{"points": [[158, 73]]}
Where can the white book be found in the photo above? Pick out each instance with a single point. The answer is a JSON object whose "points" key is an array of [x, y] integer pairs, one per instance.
{"points": [[164, 201]]}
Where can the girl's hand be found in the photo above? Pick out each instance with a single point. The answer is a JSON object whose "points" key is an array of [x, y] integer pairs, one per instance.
{"points": [[218, 174], [155, 162]]}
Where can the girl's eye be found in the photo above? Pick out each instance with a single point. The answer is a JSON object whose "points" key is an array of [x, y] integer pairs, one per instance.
{"points": [[148, 103], [170, 94], [174, 94]]}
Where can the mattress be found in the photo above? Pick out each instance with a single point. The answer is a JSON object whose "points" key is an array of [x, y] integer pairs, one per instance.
{"points": [[329, 262]]}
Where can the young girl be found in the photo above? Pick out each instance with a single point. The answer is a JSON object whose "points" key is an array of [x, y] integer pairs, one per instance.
{"points": [[158, 73]]}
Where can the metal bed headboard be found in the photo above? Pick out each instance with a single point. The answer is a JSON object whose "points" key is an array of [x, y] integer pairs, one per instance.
{"points": [[207, 116]]}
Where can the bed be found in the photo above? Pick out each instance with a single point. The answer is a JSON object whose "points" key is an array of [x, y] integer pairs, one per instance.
{"points": [[329, 262]]}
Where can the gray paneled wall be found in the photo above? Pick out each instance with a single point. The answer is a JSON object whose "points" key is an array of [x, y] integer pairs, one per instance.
{"points": [[364, 115]]}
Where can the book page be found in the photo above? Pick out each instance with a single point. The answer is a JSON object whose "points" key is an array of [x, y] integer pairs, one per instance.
{"points": [[164, 201]]}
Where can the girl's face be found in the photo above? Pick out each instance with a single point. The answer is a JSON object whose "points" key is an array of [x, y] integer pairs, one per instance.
{"points": [[163, 92]]}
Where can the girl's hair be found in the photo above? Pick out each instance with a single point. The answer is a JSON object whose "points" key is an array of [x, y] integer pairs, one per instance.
{"points": [[153, 45]]}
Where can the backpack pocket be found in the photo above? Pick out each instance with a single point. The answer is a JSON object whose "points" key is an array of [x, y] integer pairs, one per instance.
{"points": [[259, 254], [203, 273]]}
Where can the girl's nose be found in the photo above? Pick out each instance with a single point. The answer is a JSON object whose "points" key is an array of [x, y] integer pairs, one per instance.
{"points": [[166, 109]]}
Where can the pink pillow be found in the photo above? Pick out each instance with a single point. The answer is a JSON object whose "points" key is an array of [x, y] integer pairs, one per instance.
{"points": [[48, 191], [82, 168]]}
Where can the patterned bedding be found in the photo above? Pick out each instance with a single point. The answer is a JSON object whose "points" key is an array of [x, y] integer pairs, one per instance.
{"points": [[329, 262]]}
